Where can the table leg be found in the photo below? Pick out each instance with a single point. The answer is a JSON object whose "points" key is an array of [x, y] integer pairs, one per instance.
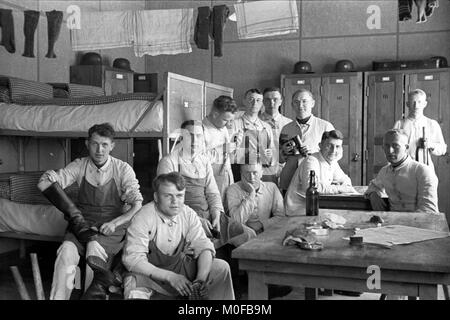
{"points": [[257, 289], [310, 293], [428, 292]]}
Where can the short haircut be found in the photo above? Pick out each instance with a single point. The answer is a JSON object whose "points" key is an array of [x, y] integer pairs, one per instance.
{"points": [[333, 134], [417, 92], [253, 90], [189, 123], [296, 93], [225, 104], [396, 132], [272, 89], [103, 130], [172, 177]]}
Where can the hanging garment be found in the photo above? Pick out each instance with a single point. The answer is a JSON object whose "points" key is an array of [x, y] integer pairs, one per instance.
{"points": [[429, 8], [54, 20], [404, 10], [266, 18], [103, 30], [7, 25], [29, 29], [163, 31], [219, 17], [201, 32]]}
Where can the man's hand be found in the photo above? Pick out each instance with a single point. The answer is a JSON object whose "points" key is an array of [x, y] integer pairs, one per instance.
{"points": [[230, 147], [206, 225], [346, 189], [257, 226], [215, 223], [248, 188], [179, 283], [268, 153], [304, 151], [108, 228], [377, 202]]}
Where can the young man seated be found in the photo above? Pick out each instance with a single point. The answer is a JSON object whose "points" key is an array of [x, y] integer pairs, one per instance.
{"points": [[253, 204], [167, 251], [97, 223], [330, 179], [189, 159], [409, 185]]}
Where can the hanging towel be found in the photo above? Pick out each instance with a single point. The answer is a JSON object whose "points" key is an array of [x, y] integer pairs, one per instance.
{"points": [[266, 18], [163, 31], [103, 30]]}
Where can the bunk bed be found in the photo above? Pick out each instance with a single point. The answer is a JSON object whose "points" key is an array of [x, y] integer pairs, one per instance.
{"points": [[135, 115]]}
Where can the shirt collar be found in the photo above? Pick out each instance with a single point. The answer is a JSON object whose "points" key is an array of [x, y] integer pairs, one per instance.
{"points": [[265, 116], [165, 219], [104, 167], [405, 163]]}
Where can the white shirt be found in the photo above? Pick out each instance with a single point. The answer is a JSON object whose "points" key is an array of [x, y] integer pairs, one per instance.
{"points": [[330, 179], [122, 172], [433, 134], [148, 222], [412, 186], [276, 123], [310, 133]]}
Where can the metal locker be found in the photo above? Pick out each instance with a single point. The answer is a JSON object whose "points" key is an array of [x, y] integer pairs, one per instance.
{"points": [[293, 82], [384, 104], [342, 106]]}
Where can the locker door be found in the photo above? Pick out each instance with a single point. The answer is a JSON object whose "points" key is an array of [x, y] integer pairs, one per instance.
{"points": [[384, 105], [437, 86], [118, 82], [342, 106], [292, 83]]}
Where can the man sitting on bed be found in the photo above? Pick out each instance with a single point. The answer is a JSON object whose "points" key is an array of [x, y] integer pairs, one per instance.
{"points": [[330, 177], [189, 159], [97, 224]]}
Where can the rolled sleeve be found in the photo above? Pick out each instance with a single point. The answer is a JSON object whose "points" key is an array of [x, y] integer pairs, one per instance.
{"points": [[196, 235], [212, 191], [65, 176], [130, 186], [135, 250]]}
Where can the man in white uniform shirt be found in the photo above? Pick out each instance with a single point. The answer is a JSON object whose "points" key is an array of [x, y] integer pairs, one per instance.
{"points": [[272, 101], [168, 252], [330, 177], [217, 140], [97, 223], [309, 129], [409, 185], [414, 125]]}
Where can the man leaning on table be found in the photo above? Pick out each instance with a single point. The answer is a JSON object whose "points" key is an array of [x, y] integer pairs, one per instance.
{"points": [[409, 185]]}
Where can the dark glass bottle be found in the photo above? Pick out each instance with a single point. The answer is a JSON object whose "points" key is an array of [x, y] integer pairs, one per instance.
{"points": [[312, 196]]}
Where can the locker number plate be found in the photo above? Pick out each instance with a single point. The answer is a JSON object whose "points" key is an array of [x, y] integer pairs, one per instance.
{"points": [[385, 79], [339, 80], [300, 81], [119, 76], [429, 77]]}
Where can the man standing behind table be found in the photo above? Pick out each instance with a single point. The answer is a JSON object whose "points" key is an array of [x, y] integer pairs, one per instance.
{"points": [[217, 140], [97, 224], [329, 175], [410, 185], [272, 101], [309, 129], [414, 125], [253, 137]]}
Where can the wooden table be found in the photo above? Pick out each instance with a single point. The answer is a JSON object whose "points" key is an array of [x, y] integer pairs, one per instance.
{"points": [[411, 270]]}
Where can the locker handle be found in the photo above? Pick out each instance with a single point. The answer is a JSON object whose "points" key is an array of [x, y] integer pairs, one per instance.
{"points": [[356, 157]]}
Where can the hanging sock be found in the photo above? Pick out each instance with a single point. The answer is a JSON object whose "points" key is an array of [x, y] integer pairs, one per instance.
{"points": [[404, 10], [421, 5], [201, 32], [54, 20], [29, 28], [7, 25], [219, 18]]}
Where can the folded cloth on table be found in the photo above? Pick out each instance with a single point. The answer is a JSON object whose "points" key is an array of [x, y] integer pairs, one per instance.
{"points": [[266, 18]]}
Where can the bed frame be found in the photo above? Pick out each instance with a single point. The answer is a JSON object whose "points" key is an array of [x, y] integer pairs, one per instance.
{"points": [[184, 98]]}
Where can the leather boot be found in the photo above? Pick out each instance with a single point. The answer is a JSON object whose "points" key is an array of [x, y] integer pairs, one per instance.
{"points": [[77, 225], [104, 281]]}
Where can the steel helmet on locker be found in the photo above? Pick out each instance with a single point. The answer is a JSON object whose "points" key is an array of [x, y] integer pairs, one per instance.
{"points": [[122, 63], [91, 58], [344, 66], [302, 67]]}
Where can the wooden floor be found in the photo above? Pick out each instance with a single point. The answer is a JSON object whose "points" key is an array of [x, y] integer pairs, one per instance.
{"points": [[46, 256]]}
